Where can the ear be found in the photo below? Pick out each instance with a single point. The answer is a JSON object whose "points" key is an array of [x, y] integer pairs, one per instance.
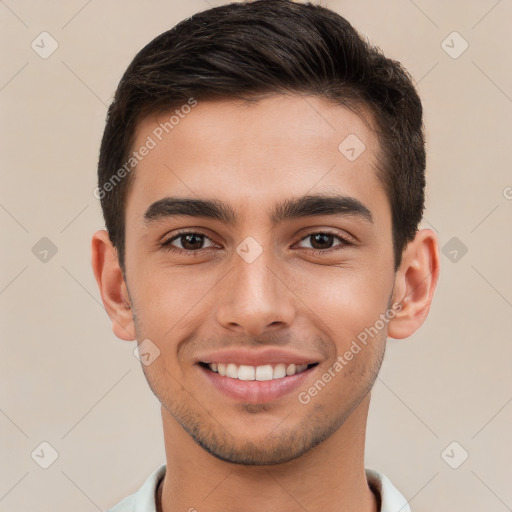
{"points": [[415, 283], [113, 289]]}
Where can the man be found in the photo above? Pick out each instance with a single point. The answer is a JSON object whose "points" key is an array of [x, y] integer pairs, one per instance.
{"points": [[262, 180]]}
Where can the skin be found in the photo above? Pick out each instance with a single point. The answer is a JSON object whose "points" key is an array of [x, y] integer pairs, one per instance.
{"points": [[281, 455]]}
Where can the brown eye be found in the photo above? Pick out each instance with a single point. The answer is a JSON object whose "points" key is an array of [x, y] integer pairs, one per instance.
{"points": [[187, 242], [324, 241], [191, 242]]}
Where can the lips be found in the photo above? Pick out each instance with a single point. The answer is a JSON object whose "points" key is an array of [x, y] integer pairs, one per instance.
{"points": [[258, 375], [256, 357]]}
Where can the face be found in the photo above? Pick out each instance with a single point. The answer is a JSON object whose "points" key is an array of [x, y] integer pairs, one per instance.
{"points": [[250, 288]]}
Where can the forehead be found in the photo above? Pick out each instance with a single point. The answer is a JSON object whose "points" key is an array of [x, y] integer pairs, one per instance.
{"points": [[249, 154]]}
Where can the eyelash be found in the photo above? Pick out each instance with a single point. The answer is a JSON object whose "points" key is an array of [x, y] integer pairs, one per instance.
{"points": [[166, 245]]}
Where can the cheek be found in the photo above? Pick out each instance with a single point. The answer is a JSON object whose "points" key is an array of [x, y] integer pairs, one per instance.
{"points": [[343, 302], [169, 301]]}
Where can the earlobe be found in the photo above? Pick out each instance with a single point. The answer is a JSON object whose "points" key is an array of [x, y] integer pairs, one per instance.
{"points": [[112, 286], [415, 283]]}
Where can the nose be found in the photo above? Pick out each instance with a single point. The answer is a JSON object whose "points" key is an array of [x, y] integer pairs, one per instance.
{"points": [[255, 297]]}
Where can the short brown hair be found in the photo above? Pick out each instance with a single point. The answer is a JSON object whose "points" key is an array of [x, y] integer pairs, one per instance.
{"points": [[253, 49]]}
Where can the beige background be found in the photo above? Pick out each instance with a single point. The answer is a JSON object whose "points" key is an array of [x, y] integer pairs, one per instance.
{"points": [[66, 379]]}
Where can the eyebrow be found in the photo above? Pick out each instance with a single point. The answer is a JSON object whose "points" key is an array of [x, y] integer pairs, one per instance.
{"points": [[305, 206]]}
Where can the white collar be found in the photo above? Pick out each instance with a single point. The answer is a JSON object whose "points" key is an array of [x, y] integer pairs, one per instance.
{"points": [[144, 499]]}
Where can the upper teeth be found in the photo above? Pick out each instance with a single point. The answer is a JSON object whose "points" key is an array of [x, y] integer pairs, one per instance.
{"points": [[265, 372]]}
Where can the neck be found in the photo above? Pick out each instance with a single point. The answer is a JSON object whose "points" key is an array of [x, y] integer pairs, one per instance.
{"points": [[329, 478]]}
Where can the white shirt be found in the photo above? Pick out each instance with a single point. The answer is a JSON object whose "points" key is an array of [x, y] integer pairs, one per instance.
{"points": [[144, 499]]}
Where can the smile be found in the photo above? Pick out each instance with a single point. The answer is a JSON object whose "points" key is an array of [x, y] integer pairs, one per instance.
{"points": [[259, 373], [256, 384]]}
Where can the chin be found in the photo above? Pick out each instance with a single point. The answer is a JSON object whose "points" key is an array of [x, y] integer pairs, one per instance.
{"points": [[270, 447]]}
